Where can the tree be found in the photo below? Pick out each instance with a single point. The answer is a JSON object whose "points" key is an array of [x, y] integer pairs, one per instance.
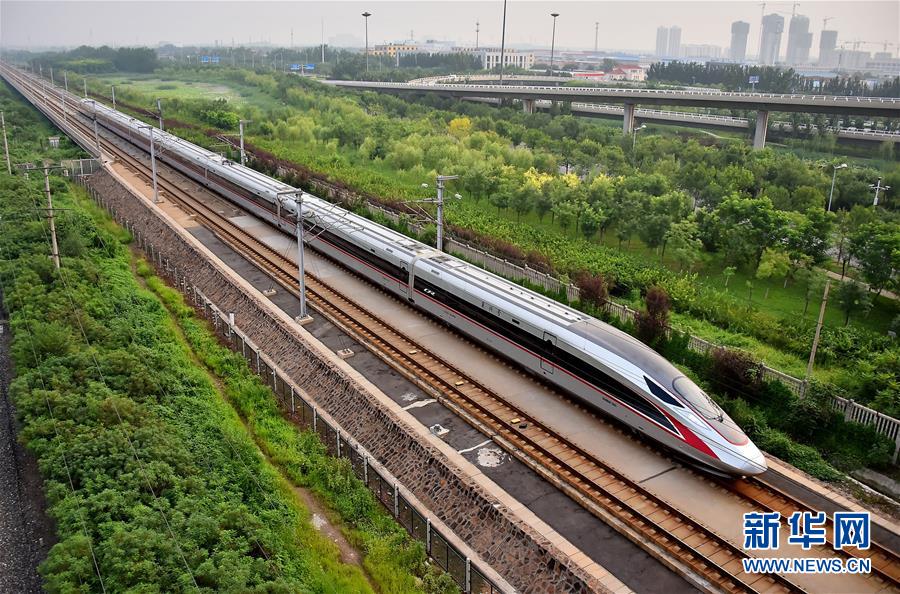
{"points": [[501, 196], [523, 199], [852, 298], [814, 283], [460, 127], [774, 263], [684, 243], [592, 219], [728, 272], [876, 246], [745, 228]]}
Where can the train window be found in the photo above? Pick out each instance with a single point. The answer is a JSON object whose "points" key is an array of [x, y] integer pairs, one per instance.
{"points": [[662, 394]]}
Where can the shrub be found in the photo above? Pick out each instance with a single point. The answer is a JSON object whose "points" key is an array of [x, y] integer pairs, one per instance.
{"points": [[592, 289], [736, 373], [651, 324]]}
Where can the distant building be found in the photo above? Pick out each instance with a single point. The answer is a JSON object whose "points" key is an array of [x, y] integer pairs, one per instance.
{"points": [[851, 59], [701, 51], [827, 47], [799, 41], [740, 30], [394, 49], [770, 44], [674, 42], [662, 42], [490, 58], [883, 63], [619, 73]]}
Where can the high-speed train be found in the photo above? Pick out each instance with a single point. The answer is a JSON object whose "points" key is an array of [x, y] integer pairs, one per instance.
{"points": [[596, 363]]}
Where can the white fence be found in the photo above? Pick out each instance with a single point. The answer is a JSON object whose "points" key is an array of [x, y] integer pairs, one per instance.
{"points": [[858, 413]]}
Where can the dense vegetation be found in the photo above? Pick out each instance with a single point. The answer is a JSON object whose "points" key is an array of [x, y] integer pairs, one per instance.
{"points": [[86, 59], [153, 478], [772, 79], [736, 237]]}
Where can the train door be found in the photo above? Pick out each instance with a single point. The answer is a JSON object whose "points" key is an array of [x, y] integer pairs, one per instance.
{"points": [[549, 348]]}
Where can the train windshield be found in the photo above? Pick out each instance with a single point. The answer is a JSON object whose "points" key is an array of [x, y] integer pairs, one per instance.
{"points": [[691, 392], [707, 407]]}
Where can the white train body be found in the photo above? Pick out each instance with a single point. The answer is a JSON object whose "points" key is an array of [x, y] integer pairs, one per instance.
{"points": [[598, 364]]}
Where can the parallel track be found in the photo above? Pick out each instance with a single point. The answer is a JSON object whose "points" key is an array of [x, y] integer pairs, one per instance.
{"points": [[710, 561]]}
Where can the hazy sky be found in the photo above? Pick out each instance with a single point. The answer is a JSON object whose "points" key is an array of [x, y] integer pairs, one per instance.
{"points": [[623, 25]]}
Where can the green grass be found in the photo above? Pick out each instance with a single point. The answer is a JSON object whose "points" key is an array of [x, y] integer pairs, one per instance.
{"points": [[167, 88]]}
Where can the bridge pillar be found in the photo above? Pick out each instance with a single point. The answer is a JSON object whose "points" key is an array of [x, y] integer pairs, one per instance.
{"points": [[762, 124], [528, 106], [628, 120]]}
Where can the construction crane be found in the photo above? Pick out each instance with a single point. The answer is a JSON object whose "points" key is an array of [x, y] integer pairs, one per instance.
{"points": [[825, 22]]}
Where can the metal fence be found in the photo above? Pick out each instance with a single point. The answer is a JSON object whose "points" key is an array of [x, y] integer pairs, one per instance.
{"points": [[303, 412]]}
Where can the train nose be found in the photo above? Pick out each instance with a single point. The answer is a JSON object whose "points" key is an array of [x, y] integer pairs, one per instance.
{"points": [[753, 460]]}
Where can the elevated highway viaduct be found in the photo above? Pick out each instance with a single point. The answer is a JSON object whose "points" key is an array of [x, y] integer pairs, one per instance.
{"points": [[762, 103]]}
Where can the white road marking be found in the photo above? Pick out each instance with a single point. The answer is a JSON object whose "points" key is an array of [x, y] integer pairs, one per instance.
{"points": [[419, 404], [474, 447]]}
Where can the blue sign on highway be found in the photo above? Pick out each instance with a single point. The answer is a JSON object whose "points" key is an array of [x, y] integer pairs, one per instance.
{"points": [[753, 80], [295, 66], [309, 67], [204, 59], [215, 59]]}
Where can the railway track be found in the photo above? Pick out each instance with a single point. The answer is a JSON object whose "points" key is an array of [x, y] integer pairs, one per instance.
{"points": [[685, 545]]}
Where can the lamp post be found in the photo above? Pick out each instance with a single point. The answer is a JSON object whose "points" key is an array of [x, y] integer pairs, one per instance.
{"points": [[634, 136], [159, 113], [833, 178], [878, 187], [366, 16], [241, 128], [553, 40], [502, 42], [152, 164]]}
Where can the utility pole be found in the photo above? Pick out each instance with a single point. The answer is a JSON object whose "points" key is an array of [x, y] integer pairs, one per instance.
{"points": [[96, 133], [298, 203], [323, 40], [52, 83], [878, 187], [502, 43], [241, 128], [5, 144], [152, 164], [440, 206], [85, 87], [159, 111], [815, 345], [62, 96], [596, 36], [477, 29], [113, 89], [54, 254]]}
